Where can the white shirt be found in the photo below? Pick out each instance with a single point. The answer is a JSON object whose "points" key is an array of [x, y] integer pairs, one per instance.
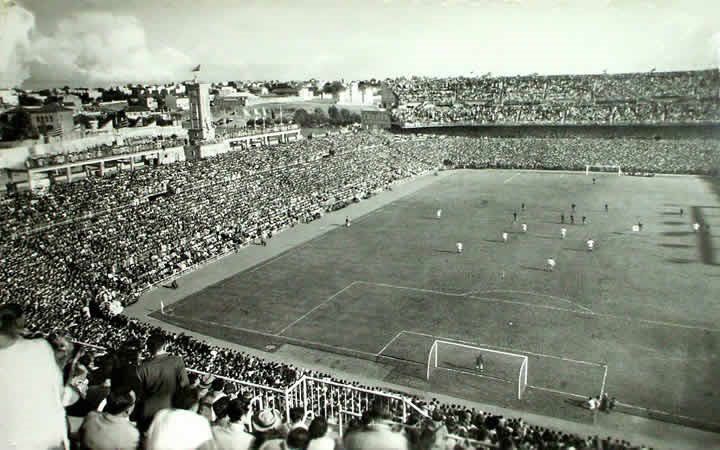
{"points": [[33, 415], [232, 437], [177, 429], [590, 243], [563, 231], [524, 227], [505, 235], [696, 226], [551, 262]]}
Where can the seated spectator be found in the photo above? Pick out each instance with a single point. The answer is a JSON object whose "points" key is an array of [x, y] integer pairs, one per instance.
{"points": [[160, 377], [112, 427], [179, 427], [32, 388], [231, 434]]}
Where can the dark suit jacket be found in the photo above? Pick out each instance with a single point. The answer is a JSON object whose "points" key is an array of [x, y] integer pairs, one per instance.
{"points": [[160, 377]]}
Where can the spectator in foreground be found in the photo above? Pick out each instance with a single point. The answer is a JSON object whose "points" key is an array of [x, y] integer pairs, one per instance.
{"points": [[266, 426], [297, 439], [112, 427], [297, 420], [32, 388], [320, 438], [231, 434], [179, 427], [160, 377], [377, 434]]}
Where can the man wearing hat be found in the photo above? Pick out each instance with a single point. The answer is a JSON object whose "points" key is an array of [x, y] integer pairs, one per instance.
{"points": [[232, 435], [266, 426]]}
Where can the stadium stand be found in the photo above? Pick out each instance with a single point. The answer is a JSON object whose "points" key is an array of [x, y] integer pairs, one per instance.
{"points": [[74, 255], [649, 98]]}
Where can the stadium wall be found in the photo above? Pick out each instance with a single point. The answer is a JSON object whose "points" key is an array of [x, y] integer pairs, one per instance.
{"points": [[568, 131]]}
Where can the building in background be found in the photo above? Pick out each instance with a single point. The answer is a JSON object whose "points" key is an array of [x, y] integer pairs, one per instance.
{"points": [[201, 126], [176, 103], [53, 120]]}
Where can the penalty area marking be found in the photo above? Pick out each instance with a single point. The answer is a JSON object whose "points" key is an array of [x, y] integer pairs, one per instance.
{"points": [[512, 350], [328, 300], [508, 180], [530, 293]]}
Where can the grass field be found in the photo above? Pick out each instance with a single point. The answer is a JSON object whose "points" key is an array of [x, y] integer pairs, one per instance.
{"points": [[637, 317]]}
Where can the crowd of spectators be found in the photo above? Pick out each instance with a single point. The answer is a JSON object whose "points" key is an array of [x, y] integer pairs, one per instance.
{"points": [[73, 256], [648, 98]]}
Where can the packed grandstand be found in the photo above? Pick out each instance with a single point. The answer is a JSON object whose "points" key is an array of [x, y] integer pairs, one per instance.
{"points": [[75, 254], [646, 98]]}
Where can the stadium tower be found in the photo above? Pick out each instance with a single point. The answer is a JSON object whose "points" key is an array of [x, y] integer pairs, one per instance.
{"points": [[201, 125]]}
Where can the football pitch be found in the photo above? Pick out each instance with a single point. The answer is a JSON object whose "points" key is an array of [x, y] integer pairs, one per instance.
{"points": [[636, 318]]}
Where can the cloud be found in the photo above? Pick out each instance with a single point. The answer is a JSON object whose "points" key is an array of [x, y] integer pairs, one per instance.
{"points": [[16, 24], [98, 47], [90, 48], [716, 47]]}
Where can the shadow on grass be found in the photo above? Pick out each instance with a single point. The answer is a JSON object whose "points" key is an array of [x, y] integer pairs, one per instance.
{"points": [[444, 251], [673, 222], [679, 261], [538, 269], [676, 245], [676, 233]]}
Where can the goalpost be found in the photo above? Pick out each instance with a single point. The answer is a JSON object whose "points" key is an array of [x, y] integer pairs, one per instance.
{"points": [[602, 168], [462, 358]]}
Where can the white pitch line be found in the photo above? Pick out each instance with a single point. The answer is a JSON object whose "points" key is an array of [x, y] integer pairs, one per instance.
{"points": [[591, 313], [393, 286], [389, 342], [665, 413], [286, 338], [510, 291], [512, 350], [508, 180], [555, 391], [328, 300]]}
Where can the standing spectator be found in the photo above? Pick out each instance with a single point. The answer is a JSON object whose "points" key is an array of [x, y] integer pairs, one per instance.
{"points": [[125, 367], [231, 435], [266, 426], [160, 377], [179, 427], [112, 427], [33, 414]]}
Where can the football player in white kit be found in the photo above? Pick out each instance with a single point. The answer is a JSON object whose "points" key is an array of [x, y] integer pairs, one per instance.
{"points": [[524, 227], [459, 247], [550, 264], [696, 227], [505, 236], [563, 232], [439, 213], [590, 244]]}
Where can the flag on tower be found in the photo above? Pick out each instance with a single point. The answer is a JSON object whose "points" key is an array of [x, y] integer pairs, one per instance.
{"points": [[196, 68]]}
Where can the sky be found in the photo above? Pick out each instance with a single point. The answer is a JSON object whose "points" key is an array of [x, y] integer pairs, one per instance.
{"points": [[103, 42]]}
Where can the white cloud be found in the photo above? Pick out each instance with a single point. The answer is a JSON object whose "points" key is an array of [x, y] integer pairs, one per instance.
{"points": [[16, 24], [86, 48], [104, 48]]}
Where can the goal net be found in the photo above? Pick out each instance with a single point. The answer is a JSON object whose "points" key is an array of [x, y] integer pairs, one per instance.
{"points": [[481, 362], [600, 168]]}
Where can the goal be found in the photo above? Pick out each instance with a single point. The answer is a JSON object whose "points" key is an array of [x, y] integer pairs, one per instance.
{"points": [[462, 358], [602, 168]]}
